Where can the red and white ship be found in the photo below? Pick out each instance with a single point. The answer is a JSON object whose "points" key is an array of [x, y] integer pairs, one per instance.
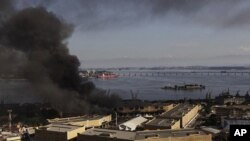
{"points": [[107, 75]]}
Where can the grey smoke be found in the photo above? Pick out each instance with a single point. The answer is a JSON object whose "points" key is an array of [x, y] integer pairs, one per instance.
{"points": [[105, 14]]}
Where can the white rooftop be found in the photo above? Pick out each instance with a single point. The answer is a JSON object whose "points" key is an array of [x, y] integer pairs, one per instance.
{"points": [[132, 124]]}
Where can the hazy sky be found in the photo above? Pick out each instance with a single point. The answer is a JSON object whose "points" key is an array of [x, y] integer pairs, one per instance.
{"points": [[122, 33]]}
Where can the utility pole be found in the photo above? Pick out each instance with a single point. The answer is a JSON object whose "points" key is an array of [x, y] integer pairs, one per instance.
{"points": [[116, 118], [10, 119]]}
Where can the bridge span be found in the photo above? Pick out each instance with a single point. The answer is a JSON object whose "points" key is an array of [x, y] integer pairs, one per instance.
{"points": [[180, 73]]}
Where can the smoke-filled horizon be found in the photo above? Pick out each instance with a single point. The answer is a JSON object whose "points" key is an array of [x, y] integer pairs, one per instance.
{"points": [[115, 33]]}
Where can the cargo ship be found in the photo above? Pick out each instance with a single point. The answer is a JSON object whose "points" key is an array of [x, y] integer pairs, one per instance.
{"points": [[185, 87]]}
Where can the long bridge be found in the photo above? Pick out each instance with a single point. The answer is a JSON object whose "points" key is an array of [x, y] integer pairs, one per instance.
{"points": [[180, 73]]}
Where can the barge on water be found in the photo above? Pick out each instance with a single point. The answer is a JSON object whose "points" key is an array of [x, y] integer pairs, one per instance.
{"points": [[185, 87]]}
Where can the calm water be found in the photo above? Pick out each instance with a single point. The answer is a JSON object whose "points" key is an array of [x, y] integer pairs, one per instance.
{"points": [[149, 87]]}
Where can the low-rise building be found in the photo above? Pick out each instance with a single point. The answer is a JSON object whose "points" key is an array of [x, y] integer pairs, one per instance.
{"points": [[86, 121], [184, 112], [153, 135], [58, 132]]}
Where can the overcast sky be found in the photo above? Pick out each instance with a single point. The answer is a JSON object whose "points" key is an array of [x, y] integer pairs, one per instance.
{"points": [[123, 33]]}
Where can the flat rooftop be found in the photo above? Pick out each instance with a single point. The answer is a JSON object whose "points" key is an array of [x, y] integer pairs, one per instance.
{"points": [[142, 134], [60, 127], [76, 119], [162, 122], [178, 111], [110, 133]]}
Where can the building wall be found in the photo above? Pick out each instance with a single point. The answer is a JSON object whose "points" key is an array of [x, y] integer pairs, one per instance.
{"points": [[168, 107], [43, 135], [176, 125], [73, 134], [196, 137], [189, 116]]}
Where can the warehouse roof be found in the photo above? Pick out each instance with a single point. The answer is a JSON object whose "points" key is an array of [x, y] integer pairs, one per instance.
{"points": [[60, 127], [132, 124], [76, 119]]}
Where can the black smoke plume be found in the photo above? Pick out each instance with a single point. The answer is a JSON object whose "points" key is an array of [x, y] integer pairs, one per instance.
{"points": [[41, 36], [34, 45]]}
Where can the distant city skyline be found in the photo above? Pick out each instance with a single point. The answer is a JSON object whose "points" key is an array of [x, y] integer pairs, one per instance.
{"points": [[150, 33]]}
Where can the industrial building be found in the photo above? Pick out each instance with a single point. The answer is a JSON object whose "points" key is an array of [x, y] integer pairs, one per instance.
{"points": [[132, 124], [134, 107], [58, 132], [86, 121], [184, 112], [154, 135]]}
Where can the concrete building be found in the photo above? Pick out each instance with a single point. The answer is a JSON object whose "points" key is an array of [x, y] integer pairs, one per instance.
{"points": [[134, 107], [183, 112], [239, 111], [162, 123], [156, 135], [132, 124], [86, 121], [58, 132]]}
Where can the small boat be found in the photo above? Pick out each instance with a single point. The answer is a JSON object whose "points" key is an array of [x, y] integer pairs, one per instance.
{"points": [[185, 87]]}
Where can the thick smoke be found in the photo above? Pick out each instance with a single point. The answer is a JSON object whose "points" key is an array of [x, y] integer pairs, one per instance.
{"points": [[104, 14], [33, 45], [41, 36]]}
